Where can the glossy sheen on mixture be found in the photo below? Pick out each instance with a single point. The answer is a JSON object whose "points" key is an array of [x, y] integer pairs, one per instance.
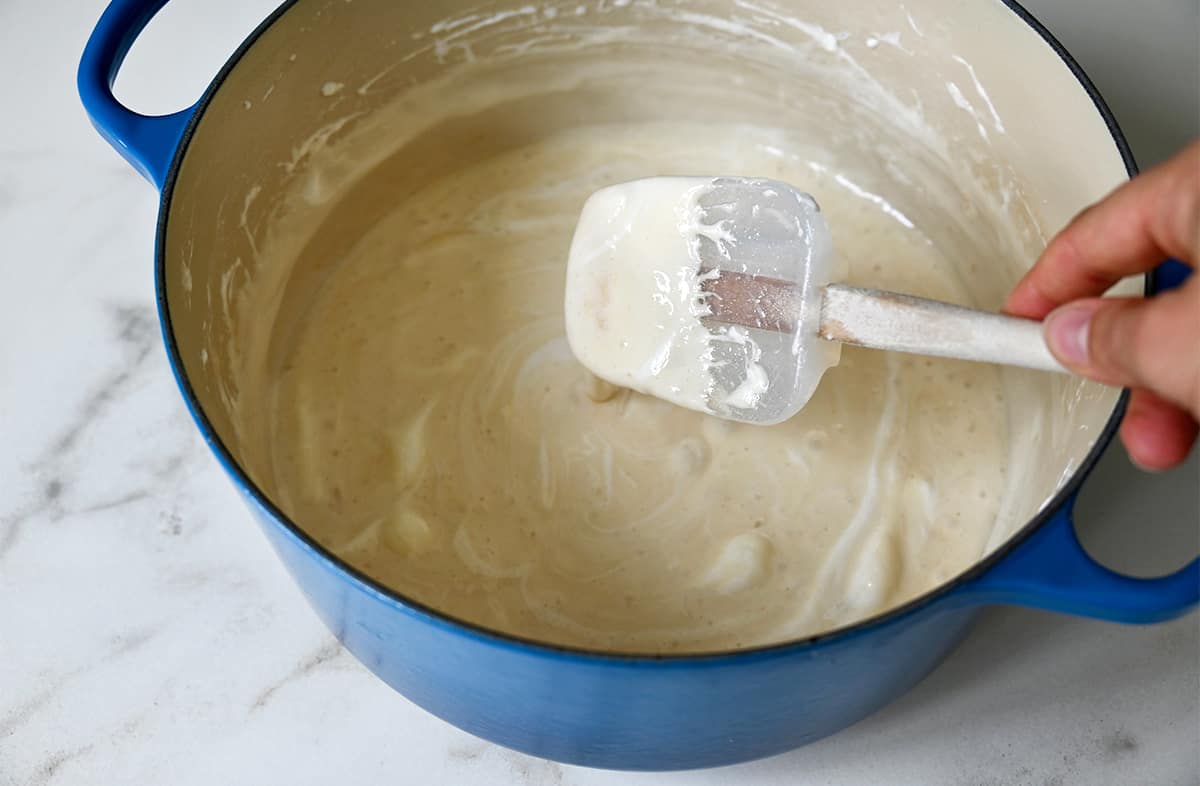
{"points": [[431, 425]]}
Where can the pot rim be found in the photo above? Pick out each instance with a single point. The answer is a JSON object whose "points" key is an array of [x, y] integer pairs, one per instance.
{"points": [[493, 636]]}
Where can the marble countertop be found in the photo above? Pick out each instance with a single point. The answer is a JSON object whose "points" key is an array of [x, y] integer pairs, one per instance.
{"points": [[148, 634]]}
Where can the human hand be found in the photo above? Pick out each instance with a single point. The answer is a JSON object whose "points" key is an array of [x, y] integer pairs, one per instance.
{"points": [[1151, 345]]}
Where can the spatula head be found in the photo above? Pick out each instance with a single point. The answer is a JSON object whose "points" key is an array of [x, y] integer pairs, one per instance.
{"points": [[703, 291]]}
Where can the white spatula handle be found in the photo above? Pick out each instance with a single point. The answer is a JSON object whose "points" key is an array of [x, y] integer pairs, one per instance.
{"points": [[903, 323]]}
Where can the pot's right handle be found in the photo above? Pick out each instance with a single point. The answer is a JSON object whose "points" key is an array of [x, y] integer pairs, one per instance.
{"points": [[1169, 275], [148, 143], [1050, 570]]}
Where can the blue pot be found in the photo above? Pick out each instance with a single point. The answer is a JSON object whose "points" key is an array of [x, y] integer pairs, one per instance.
{"points": [[629, 712]]}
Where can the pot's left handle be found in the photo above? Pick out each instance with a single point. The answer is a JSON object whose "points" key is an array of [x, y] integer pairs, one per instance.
{"points": [[148, 143]]}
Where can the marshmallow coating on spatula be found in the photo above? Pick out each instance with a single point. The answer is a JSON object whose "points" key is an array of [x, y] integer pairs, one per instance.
{"points": [[703, 291]]}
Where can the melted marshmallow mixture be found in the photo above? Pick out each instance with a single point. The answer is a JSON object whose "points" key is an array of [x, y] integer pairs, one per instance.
{"points": [[403, 388], [432, 426], [633, 296]]}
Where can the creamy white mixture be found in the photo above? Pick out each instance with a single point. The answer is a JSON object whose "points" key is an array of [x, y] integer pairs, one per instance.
{"points": [[644, 262], [391, 348], [432, 426], [633, 298]]}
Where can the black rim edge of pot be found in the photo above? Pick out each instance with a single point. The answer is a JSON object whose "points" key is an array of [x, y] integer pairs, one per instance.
{"points": [[928, 598]]}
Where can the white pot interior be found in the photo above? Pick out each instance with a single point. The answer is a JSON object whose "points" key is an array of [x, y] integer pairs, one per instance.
{"points": [[958, 116]]}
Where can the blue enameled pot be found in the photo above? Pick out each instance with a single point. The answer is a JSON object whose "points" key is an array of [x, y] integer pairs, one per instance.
{"points": [[576, 706]]}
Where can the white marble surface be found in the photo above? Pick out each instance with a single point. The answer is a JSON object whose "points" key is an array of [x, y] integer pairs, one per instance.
{"points": [[148, 635]]}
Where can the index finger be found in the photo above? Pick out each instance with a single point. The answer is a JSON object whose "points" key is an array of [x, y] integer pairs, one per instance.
{"points": [[1154, 216]]}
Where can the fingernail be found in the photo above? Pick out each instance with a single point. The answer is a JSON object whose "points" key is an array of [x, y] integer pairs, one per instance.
{"points": [[1067, 333]]}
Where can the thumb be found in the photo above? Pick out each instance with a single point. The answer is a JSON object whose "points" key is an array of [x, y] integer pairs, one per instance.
{"points": [[1149, 343]]}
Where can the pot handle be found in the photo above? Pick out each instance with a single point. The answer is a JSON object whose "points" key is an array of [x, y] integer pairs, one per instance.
{"points": [[1050, 570], [1168, 275], [148, 143]]}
